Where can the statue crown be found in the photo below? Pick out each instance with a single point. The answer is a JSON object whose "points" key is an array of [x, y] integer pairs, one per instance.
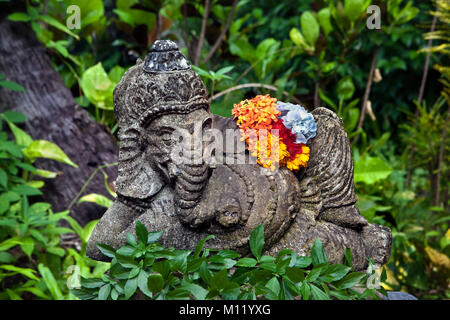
{"points": [[164, 56], [164, 83]]}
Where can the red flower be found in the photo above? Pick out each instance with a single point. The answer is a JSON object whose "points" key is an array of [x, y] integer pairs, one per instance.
{"points": [[288, 138]]}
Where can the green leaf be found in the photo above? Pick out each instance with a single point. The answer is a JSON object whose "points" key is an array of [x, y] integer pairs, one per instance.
{"points": [[3, 178], [335, 272], [406, 14], [228, 254], [305, 291], [350, 280], [303, 262], [328, 67], [130, 287], [50, 282], [220, 280], [45, 173], [143, 283], [116, 73], [351, 119], [324, 20], [19, 16], [98, 87], [354, 9], [57, 251], [179, 263], [106, 250], [38, 236], [12, 148], [224, 70], [318, 254], [27, 245], [201, 243], [155, 282], [197, 291], [314, 274], [132, 16], [246, 262], [298, 39], [118, 271], [318, 294], [37, 184], [257, 241], [131, 239], [13, 295], [177, 294], [345, 88], [134, 272], [14, 116], [29, 273], [48, 150], [341, 295], [153, 236], [348, 257], [83, 294], [114, 294], [96, 198], [295, 274], [162, 267], [11, 85], [74, 224], [91, 283], [141, 232], [381, 141], [310, 27], [205, 273], [58, 25], [274, 285], [371, 170], [126, 251], [6, 257], [104, 291]]}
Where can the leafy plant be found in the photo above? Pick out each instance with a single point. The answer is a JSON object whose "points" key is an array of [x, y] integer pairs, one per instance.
{"points": [[31, 255], [144, 269]]}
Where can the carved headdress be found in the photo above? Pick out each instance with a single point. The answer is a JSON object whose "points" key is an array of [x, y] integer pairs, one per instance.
{"points": [[162, 84]]}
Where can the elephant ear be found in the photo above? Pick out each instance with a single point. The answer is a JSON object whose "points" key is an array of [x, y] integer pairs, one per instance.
{"points": [[331, 168], [136, 179]]}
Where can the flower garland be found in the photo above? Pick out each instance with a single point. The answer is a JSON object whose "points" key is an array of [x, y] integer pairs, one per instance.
{"points": [[276, 132]]}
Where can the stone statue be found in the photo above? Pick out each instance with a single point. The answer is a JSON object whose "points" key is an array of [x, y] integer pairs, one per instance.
{"points": [[189, 200]]}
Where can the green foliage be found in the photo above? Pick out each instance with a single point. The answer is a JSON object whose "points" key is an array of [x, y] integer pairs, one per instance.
{"points": [[144, 269], [11, 85], [32, 260], [98, 87], [370, 170]]}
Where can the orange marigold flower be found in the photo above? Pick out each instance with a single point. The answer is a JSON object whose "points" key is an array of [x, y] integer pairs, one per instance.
{"points": [[257, 113]]}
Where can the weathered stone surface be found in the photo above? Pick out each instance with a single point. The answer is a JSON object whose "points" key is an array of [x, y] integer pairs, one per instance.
{"points": [[190, 200]]}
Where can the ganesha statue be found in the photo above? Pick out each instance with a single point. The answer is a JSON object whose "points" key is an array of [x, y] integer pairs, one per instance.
{"points": [[189, 173]]}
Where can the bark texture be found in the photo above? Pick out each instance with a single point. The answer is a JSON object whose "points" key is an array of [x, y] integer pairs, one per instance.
{"points": [[53, 115]]}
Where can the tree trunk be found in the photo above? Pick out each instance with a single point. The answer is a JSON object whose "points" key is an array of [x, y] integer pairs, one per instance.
{"points": [[53, 115]]}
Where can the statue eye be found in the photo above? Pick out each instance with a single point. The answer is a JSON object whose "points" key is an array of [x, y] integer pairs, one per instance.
{"points": [[166, 138], [227, 213], [207, 124]]}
